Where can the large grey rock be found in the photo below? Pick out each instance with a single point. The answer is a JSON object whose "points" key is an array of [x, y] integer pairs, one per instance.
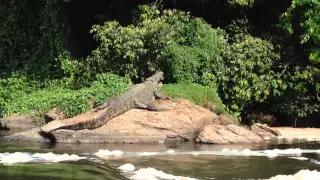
{"points": [[17, 122], [232, 137], [210, 135], [269, 129], [258, 129], [253, 137], [31, 135], [220, 134]]}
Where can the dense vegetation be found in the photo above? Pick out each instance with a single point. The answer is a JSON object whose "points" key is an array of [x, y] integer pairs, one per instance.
{"points": [[225, 52]]}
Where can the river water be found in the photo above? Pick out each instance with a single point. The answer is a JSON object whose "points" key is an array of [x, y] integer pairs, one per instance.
{"points": [[188, 160]]}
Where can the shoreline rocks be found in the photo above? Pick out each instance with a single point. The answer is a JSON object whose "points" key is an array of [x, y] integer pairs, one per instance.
{"points": [[137, 125], [17, 123], [183, 122]]}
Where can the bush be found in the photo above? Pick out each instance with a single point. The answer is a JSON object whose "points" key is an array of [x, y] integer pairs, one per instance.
{"points": [[200, 95], [32, 35], [244, 74], [173, 42], [72, 102]]}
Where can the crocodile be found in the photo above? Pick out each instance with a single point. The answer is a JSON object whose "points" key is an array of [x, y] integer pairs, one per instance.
{"points": [[138, 96]]}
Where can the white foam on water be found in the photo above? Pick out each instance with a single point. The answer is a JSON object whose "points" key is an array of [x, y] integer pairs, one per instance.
{"points": [[148, 174], [291, 153], [24, 157], [276, 152], [315, 161], [170, 151], [147, 154], [301, 175], [225, 152], [127, 167], [50, 157], [195, 153], [17, 157], [106, 153], [299, 158]]}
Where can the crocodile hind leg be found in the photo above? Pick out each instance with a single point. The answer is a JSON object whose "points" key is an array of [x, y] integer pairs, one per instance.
{"points": [[149, 107]]}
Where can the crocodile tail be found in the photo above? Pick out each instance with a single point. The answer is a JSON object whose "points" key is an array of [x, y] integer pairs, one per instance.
{"points": [[53, 125]]}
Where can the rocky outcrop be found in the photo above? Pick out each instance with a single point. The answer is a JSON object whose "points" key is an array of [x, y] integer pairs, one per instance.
{"points": [[17, 122], [251, 136], [264, 131], [225, 120], [31, 135], [210, 135], [220, 134], [184, 120]]}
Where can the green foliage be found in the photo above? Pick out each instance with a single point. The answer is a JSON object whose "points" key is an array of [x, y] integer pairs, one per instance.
{"points": [[244, 73], [205, 48], [188, 50], [301, 98], [32, 34], [237, 30], [201, 95], [19, 95], [243, 3], [307, 14], [155, 41], [39, 74], [300, 60], [248, 76], [74, 71]]}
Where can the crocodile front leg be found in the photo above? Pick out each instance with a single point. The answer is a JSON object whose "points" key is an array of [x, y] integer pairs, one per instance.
{"points": [[149, 107], [159, 95]]}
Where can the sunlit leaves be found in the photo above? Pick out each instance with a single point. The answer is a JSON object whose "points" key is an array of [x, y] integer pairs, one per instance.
{"points": [[307, 12], [244, 3], [248, 64]]}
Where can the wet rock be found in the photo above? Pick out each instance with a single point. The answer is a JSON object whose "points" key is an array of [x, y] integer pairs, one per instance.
{"points": [[253, 137], [173, 140], [220, 134], [17, 122], [258, 129], [232, 137], [31, 135], [269, 129], [210, 135], [53, 114]]}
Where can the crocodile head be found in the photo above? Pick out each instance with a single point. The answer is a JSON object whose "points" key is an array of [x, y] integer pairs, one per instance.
{"points": [[157, 77]]}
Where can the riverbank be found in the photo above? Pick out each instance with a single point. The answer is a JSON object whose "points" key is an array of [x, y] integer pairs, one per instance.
{"points": [[184, 121]]}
